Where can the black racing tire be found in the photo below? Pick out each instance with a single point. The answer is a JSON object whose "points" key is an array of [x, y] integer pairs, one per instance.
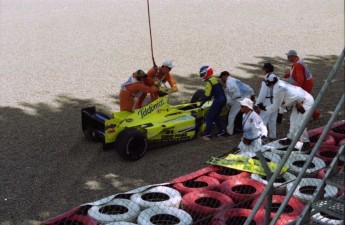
{"points": [[131, 144], [197, 96]]}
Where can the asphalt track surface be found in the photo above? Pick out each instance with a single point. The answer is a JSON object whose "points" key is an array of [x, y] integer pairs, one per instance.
{"points": [[57, 57]]}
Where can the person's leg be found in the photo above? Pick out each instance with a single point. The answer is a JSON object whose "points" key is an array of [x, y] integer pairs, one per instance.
{"points": [[235, 108], [272, 124], [210, 117], [219, 122]]}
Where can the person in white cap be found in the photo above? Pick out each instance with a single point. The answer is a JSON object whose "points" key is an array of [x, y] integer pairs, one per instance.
{"points": [[288, 95], [155, 77], [254, 129], [266, 97], [300, 75], [235, 91]]}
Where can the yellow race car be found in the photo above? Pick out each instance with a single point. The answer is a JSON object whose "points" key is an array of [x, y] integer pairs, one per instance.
{"points": [[131, 133]]}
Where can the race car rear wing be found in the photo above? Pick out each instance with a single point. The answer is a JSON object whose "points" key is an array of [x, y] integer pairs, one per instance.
{"points": [[93, 124], [92, 121]]}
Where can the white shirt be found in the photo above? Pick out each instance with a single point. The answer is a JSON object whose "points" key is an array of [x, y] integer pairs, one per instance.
{"points": [[253, 126], [237, 89], [286, 94]]}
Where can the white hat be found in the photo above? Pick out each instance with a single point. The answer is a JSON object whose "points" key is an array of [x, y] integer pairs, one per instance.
{"points": [[247, 102], [168, 63], [291, 53]]}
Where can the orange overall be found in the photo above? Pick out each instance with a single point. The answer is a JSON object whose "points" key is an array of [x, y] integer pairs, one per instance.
{"points": [[155, 74], [128, 94], [300, 76]]}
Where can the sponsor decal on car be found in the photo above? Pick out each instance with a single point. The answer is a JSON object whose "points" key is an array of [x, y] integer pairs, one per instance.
{"points": [[150, 108]]}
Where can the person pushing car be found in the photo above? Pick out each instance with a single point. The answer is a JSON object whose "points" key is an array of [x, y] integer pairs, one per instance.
{"points": [[132, 88], [156, 76]]}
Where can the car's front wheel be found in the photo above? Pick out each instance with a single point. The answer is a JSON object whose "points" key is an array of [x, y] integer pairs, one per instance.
{"points": [[131, 144]]}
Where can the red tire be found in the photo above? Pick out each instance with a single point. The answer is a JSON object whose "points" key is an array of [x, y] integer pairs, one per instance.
{"points": [[294, 207], [202, 183], [338, 132], [321, 174], [77, 215], [328, 140], [327, 153], [224, 173], [243, 190], [201, 204], [195, 174], [238, 216]]}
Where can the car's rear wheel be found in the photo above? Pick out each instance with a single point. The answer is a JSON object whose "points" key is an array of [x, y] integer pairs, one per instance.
{"points": [[131, 144]]}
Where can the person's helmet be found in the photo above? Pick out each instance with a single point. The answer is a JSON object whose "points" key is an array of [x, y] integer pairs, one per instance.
{"points": [[271, 79], [139, 74], [206, 72]]}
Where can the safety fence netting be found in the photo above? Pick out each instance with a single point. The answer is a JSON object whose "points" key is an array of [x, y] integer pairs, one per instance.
{"points": [[226, 192]]}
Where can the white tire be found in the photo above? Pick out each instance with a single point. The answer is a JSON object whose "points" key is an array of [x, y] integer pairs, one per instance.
{"points": [[281, 149], [279, 186], [162, 215], [269, 156], [126, 210], [297, 160], [319, 219], [157, 196], [307, 187]]}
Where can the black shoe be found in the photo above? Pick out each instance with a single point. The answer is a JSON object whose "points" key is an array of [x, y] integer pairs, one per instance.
{"points": [[286, 141], [305, 147]]}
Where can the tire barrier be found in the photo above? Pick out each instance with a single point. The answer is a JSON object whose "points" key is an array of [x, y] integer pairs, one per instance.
{"points": [[321, 174], [325, 219], [279, 186], [77, 215], [338, 132], [202, 183], [224, 173], [242, 191], [195, 174], [341, 142], [328, 140], [115, 211], [279, 149], [307, 187], [164, 215], [284, 219], [237, 216], [293, 209], [297, 161], [327, 153], [157, 196], [201, 204], [268, 155], [121, 223]]}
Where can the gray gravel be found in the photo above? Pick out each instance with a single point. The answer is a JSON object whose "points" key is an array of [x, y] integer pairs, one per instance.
{"points": [[57, 57]]}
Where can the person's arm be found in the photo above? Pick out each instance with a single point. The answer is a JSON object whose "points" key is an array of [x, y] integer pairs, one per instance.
{"points": [[298, 75], [262, 93], [172, 83]]}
